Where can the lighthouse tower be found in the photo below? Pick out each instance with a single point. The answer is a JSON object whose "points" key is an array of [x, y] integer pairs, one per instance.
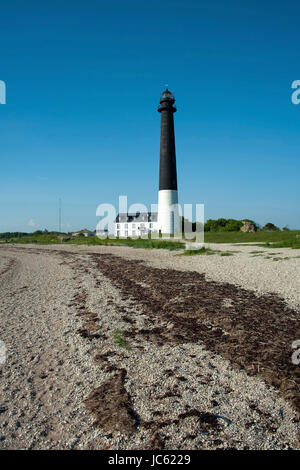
{"points": [[168, 216]]}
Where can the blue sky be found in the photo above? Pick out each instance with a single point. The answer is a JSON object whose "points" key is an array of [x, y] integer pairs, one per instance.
{"points": [[81, 123]]}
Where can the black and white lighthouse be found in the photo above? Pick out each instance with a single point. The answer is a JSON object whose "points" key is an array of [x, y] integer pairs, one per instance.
{"points": [[168, 216]]}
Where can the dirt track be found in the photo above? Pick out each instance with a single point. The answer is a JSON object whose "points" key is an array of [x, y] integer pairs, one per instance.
{"points": [[208, 364]]}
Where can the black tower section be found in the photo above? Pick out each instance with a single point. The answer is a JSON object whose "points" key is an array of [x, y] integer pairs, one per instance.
{"points": [[167, 170]]}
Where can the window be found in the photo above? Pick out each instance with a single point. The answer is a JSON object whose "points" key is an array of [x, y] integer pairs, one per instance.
{"points": [[118, 233], [126, 225], [118, 226], [126, 233], [133, 225], [150, 225], [133, 233]]}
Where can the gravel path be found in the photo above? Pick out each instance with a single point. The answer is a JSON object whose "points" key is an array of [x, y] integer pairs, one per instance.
{"points": [[68, 384]]}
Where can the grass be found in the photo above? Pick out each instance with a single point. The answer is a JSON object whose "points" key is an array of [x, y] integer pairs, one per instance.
{"points": [[288, 239], [206, 251], [45, 239], [200, 251], [120, 341], [134, 243], [48, 239], [293, 243], [279, 239]]}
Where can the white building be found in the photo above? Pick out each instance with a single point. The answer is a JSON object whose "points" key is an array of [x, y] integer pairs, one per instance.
{"points": [[135, 225], [85, 232]]}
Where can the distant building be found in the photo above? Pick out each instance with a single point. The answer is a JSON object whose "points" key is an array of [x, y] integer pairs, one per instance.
{"points": [[135, 225], [85, 232]]}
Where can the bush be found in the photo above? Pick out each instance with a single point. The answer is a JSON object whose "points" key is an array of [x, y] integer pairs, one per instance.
{"points": [[233, 225], [269, 227], [223, 225]]}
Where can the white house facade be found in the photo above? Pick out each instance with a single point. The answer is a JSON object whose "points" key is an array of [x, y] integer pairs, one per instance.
{"points": [[135, 225]]}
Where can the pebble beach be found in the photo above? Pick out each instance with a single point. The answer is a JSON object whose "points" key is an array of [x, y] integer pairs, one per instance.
{"points": [[123, 348]]}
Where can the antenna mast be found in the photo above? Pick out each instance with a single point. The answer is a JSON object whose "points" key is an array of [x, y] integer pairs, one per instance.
{"points": [[59, 216]]}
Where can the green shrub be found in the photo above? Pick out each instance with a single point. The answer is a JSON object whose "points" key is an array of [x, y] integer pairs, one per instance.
{"points": [[223, 225], [269, 227]]}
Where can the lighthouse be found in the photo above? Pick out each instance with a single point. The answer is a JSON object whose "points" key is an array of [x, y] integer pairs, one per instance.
{"points": [[168, 215], [166, 220]]}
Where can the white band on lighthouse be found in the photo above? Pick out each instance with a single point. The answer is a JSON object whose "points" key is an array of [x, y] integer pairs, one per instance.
{"points": [[168, 211]]}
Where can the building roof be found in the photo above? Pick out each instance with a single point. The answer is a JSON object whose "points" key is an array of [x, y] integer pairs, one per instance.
{"points": [[137, 217], [85, 230]]}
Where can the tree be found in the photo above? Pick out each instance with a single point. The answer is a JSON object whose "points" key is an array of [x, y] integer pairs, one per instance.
{"points": [[222, 225], [269, 227], [233, 225], [211, 226]]}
